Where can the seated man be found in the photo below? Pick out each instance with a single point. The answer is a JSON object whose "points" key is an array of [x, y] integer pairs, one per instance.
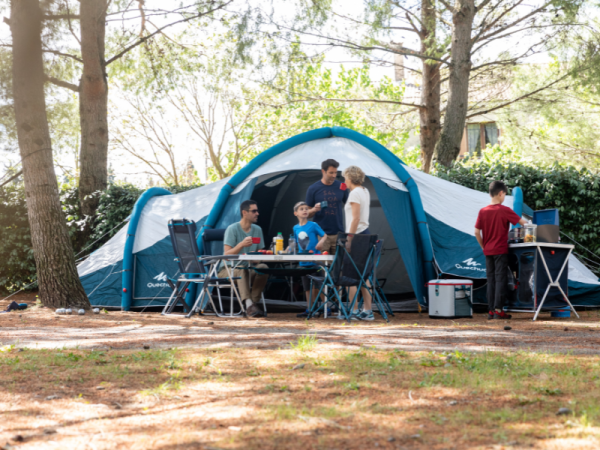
{"points": [[238, 241]]}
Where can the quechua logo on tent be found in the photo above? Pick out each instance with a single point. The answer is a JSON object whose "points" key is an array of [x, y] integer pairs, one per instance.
{"points": [[470, 264], [162, 277]]}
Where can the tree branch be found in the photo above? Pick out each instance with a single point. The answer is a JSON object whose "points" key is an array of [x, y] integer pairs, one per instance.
{"points": [[61, 83], [145, 38], [16, 175], [68, 16], [448, 6], [503, 105], [68, 55]]}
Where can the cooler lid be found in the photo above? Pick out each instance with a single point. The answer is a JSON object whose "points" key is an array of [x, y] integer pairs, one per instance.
{"points": [[449, 282]]}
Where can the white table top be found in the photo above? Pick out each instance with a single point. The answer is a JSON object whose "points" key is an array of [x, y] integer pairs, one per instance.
{"points": [[540, 244], [287, 258]]}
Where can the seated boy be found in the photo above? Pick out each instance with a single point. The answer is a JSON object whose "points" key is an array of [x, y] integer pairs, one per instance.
{"points": [[309, 236], [494, 221]]}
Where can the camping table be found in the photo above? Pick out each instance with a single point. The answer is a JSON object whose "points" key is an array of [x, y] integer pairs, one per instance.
{"points": [[326, 259], [547, 266]]}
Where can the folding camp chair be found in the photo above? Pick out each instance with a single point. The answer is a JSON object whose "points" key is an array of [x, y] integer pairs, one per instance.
{"points": [[194, 269], [350, 268], [375, 288], [212, 244]]}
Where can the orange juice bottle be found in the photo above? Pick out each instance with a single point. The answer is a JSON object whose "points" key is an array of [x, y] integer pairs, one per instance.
{"points": [[279, 244]]}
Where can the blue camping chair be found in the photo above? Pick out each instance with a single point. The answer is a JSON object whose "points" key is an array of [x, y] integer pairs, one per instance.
{"points": [[350, 268], [194, 268]]}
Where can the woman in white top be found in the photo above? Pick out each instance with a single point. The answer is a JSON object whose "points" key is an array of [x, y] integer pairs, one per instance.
{"points": [[357, 222]]}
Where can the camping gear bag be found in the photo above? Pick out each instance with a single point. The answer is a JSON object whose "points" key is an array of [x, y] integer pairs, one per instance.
{"points": [[450, 299]]}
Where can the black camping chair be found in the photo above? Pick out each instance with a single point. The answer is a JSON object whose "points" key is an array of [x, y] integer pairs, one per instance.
{"points": [[350, 268], [193, 269], [375, 287]]}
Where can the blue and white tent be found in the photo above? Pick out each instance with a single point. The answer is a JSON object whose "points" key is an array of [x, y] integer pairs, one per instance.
{"points": [[427, 223]]}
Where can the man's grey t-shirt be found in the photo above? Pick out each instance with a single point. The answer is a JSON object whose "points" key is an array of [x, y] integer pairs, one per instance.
{"points": [[234, 234]]}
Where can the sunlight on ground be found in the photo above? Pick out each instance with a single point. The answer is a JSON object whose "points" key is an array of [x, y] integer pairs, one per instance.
{"points": [[302, 396]]}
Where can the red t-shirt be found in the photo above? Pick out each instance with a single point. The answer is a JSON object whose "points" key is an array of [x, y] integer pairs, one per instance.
{"points": [[493, 221]]}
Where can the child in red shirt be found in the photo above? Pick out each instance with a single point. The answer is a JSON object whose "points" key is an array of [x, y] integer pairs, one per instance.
{"points": [[493, 221]]}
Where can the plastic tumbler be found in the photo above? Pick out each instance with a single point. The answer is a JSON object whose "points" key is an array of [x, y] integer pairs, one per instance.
{"points": [[324, 205], [256, 240]]}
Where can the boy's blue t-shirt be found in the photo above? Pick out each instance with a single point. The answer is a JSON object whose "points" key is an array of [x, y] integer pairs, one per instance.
{"points": [[330, 219], [307, 237]]}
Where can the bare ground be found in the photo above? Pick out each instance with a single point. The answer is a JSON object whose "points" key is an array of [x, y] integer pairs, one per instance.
{"points": [[129, 380]]}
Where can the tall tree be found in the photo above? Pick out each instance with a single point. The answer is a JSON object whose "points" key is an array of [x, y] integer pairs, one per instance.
{"points": [[55, 263], [477, 25], [93, 83], [463, 37], [93, 105]]}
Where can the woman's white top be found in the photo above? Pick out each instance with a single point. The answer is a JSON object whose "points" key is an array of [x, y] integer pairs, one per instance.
{"points": [[361, 196]]}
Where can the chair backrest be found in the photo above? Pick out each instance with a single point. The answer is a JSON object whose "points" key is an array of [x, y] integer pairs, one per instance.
{"points": [[183, 239], [374, 262], [349, 265], [210, 241]]}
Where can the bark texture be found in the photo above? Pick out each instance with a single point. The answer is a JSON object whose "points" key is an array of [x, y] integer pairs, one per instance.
{"points": [[55, 263], [448, 147], [93, 105], [429, 113]]}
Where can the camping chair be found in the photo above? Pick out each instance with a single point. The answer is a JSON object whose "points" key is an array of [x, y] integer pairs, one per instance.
{"points": [[212, 245], [375, 288], [350, 268], [193, 269]]}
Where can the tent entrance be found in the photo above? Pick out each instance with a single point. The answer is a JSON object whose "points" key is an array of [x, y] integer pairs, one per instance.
{"points": [[276, 195]]}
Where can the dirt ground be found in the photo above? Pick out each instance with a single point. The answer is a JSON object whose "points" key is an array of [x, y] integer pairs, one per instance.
{"points": [[121, 380], [41, 328]]}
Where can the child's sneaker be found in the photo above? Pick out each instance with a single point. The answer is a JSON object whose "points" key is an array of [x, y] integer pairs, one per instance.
{"points": [[502, 316], [366, 316], [491, 315], [303, 315], [354, 315]]}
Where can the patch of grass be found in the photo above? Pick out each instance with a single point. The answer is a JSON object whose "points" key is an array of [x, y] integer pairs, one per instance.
{"points": [[305, 343]]}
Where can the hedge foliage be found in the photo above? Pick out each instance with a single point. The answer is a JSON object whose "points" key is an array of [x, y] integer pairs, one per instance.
{"points": [[574, 192], [18, 265]]}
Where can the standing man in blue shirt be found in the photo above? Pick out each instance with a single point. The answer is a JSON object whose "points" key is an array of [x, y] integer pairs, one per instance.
{"points": [[329, 216]]}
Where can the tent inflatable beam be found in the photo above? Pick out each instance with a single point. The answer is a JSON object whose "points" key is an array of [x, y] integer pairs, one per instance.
{"points": [[127, 277], [395, 164]]}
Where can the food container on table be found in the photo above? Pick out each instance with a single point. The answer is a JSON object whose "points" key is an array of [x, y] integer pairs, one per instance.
{"points": [[516, 235], [530, 233]]}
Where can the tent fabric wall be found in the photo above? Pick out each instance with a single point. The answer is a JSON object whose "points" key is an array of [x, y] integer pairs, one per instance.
{"points": [[399, 214]]}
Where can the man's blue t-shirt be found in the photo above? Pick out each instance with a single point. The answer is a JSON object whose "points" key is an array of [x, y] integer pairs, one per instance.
{"points": [[330, 219], [307, 236]]}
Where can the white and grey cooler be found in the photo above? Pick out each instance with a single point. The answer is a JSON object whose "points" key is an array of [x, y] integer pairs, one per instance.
{"points": [[450, 299]]}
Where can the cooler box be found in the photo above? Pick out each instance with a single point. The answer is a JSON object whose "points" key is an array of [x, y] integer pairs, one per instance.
{"points": [[450, 299]]}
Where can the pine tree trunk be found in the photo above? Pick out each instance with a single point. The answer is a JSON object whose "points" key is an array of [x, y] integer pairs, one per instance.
{"points": [[448, 147], [429, 113], [57, 276], [93, 106]]}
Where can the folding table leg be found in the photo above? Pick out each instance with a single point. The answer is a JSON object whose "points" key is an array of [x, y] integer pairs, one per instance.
{"points": [[542, 302]]}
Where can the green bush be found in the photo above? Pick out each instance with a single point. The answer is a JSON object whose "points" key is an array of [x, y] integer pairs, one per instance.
{"points": [[574, 192], [18, 265]]}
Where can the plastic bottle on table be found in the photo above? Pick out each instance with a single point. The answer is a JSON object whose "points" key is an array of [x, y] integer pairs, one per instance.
{"points": [[279, 243], [292, 245]]}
